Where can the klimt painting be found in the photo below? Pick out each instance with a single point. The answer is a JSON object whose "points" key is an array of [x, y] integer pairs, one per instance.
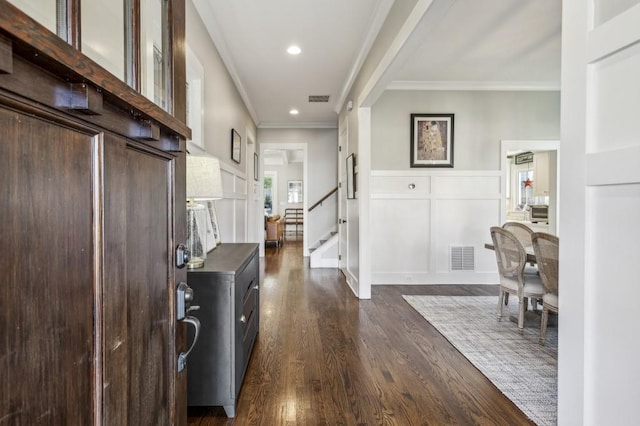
{"points": [[431, 140]]}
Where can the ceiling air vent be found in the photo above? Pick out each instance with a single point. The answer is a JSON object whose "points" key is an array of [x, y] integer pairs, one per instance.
{"points": [[318, 98], [462, 258]]}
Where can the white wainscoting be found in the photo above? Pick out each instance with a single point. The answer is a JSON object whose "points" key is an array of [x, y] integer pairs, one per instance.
{"points": [[232, 209], [418, 215]]}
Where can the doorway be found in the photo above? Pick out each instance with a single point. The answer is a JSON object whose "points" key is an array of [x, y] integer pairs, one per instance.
{"points": [[523, 198], [275, 160]]}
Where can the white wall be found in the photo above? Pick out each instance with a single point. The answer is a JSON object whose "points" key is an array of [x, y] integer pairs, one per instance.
{"points": [[412, 230], [224, 110], [322, 151]]}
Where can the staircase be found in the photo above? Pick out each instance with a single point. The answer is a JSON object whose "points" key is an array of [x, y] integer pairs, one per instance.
{"points": [[325, 253]]}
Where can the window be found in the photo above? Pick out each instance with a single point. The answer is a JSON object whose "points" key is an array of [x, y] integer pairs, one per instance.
{"points": [[525, 189]]}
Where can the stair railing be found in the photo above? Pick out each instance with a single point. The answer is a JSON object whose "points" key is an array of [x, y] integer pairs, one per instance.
{"points": [[319, 203]]}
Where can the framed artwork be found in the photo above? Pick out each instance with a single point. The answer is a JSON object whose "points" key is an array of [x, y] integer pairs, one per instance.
{"points": [[235, 146], [431, 140], [294, 191], [210, 237], [255, 166], [351, 177], [213, 217]]}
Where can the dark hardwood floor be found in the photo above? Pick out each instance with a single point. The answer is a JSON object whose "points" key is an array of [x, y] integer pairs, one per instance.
{"points": [[324, 357]]}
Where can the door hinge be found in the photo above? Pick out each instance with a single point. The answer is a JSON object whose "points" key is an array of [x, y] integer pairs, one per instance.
{"points": [[339, 257], [339, 184], [339, 148]]}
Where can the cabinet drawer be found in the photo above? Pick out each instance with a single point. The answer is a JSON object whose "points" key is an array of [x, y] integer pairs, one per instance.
{"points": [[246, 280], [248, 311]]}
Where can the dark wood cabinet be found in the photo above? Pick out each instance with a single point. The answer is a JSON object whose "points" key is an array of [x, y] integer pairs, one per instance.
{"points": [[227, 291]]}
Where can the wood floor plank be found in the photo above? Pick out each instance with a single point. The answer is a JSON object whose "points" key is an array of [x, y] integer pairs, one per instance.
{"points": [[322, 357]]}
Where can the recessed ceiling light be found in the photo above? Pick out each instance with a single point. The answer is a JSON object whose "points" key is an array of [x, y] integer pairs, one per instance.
{"points": [[294, 50], [293, 112]]}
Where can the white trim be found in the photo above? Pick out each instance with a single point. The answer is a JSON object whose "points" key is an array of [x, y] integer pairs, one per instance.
{"points": [[601, 172], [523, 86], [364, 250], [298, 125], [379, 16], [205, 10], [434, 278], [614, 35], [422, 172]]}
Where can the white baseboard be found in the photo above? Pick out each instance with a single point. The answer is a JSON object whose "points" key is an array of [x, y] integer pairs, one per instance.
{"points": [[393, 278]]}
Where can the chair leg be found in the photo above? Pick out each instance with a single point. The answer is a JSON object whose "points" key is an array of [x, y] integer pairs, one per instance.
{"points": [[521, 305], [501, 298], [543, 324]]}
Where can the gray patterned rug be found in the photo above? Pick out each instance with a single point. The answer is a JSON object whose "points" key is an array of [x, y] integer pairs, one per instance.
{"points": [[523, 370]]}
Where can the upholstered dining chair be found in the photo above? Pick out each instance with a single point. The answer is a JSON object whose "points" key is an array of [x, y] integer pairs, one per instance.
{"points": [[546, 248], [511, 258]]}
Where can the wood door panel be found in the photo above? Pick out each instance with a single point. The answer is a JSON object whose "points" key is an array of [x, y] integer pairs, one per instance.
{"points": [[139, 349], [47, 297]]}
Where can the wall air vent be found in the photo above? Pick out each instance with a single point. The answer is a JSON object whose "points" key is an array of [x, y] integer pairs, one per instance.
{"points": [[462, 258], [318, 98]]}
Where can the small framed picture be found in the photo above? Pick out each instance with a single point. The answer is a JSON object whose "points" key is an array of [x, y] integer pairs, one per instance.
{"points": [[431, 140], [351, 177], [235, 146], [255, 166], [213, 218]]}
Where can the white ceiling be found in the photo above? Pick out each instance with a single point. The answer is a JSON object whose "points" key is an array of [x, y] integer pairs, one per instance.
{"points": [[488, 44]]}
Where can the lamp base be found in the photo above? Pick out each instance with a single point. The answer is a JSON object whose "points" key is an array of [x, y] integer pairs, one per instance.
{"points": [[195, 263]]}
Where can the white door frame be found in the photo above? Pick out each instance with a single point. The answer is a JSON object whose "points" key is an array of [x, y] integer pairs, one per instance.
{"points": [[343, 143]]}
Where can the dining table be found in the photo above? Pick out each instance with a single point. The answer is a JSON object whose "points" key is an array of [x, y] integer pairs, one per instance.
{"points": [[531, 256]]}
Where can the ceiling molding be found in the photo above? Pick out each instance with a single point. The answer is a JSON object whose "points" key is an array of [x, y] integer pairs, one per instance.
{"points": [[379, 16], [421, 21], [298, 125], [476, 85], [205, 10]]}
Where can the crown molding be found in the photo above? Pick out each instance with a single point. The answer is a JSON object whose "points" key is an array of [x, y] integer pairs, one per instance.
{"points": [[205, 10], [298, 125], [379, 16], [476, 85]]}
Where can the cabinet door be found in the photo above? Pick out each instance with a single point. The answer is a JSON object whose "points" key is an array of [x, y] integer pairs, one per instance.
{"points": [[139, 324], [541, 178], [49, 284]]}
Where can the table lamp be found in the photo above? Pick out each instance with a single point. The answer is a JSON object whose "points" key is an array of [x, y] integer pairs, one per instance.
{"points": [[204, 182]]}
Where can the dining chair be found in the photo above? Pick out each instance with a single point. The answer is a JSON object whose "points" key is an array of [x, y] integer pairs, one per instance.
{"points": [[546, 247], [522, 233], [511, 258]]}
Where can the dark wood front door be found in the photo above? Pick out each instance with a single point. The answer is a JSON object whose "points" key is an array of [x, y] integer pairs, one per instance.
{"points": [[86, 302], [49, 287], [138, 321]]}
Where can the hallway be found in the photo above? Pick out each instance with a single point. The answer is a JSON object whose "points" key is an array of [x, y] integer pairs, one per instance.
{"points": [[323, 357]]}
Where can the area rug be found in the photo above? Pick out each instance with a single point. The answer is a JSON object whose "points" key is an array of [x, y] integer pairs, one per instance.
{"points": [[524, 371]]}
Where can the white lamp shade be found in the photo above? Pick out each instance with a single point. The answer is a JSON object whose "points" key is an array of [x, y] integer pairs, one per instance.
{"points": [[204, 181]]}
